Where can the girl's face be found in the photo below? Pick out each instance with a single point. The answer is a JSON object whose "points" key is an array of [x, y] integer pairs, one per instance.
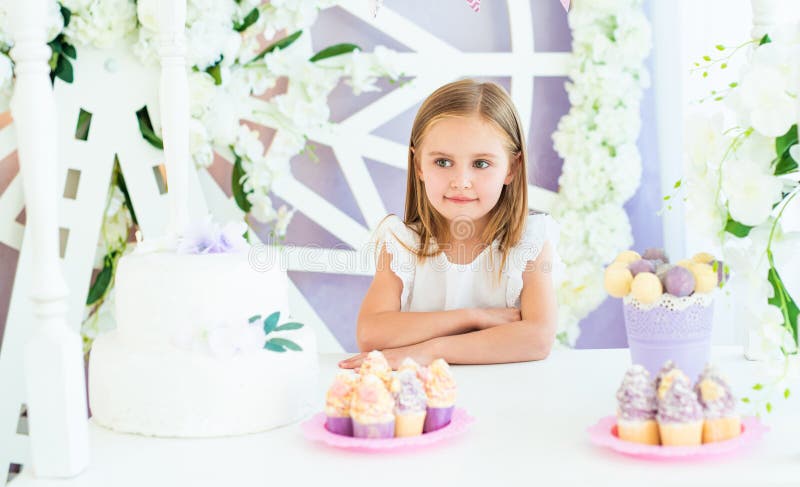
{"points": [[464, 164]]}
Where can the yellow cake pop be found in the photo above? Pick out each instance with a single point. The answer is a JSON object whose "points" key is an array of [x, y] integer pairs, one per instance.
{"points": [[646, 287], [703, 258], [618, 280], [705, 277], [685, 263], [627, 257]]}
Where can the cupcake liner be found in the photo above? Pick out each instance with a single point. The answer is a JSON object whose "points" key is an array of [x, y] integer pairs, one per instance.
{"points": [[409, 424], [339, 425], [373, 430], [721, 429], [681, 434], [437, 418], [645, 432]]}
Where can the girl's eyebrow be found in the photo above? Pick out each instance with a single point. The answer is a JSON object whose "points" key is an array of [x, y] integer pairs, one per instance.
{"points": [[444, 154]]}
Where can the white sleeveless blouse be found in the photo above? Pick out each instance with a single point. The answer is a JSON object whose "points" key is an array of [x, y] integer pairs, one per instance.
{"points": [[438, 284]]}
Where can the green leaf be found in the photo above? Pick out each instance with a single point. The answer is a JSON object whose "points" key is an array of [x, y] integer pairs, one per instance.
{"points": [[785, 141], [69, 50], [63, 69], [768, 406], [146, 128], [281, 44], [84, 123], [249, 20], [274, 347], [237, 186], [254, 318], [785, 165], [706, 58], [677, 184], [745, 400], [286, 343], [720, 47], [764, 40], [735, 228], [101, 283], [216, 72], [757, 387], [124, 188], [723, 65], [786, 393], [705, 74], [667, 197], [335, 50], [66, 13], [734, 84], [289, 326], [782, 298], [271, 322]]}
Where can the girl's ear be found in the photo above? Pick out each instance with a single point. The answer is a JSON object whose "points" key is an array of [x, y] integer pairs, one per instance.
{"points": [[513, 168], [417, 169]]}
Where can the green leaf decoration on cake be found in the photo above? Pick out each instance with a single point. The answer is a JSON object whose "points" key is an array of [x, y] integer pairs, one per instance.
{"points": [[271, 322], [289, 326], [282, 344]]}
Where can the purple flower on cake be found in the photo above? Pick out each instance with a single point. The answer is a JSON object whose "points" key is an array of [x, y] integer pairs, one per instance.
{"points": [[207, 237], [637, 395]]}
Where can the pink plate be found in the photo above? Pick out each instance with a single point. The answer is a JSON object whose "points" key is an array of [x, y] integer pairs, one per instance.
{"points": [[314, 429], [604, 433]]}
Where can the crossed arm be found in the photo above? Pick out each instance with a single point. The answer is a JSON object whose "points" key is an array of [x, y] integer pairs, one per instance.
{"points": [[460, 336]]}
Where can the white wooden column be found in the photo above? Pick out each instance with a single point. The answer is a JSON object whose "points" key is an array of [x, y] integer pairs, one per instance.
{"points": [[174, 95], [54, 374]]}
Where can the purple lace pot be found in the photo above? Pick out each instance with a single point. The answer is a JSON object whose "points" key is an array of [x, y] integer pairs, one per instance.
{"points": [[677, 329]]}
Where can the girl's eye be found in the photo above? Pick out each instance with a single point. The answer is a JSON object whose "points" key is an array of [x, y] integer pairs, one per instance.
{"points": [[481, 164], [443, 163]]}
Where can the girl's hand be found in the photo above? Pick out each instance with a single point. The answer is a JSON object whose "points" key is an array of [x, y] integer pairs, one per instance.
{"points": [[490, 317], [395, 356]]}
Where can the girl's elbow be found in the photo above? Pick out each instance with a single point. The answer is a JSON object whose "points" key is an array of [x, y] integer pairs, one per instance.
{"points": [[365, 338]]}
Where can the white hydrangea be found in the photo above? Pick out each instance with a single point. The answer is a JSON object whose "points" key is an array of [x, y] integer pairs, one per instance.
{"points": [[99, 23]]}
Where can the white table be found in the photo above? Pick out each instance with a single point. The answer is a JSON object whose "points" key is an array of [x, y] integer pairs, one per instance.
{"points": [[530, 430]]}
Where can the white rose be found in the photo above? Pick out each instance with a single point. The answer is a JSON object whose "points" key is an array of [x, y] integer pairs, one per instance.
{"points": [[751, 191], [147, 11]]}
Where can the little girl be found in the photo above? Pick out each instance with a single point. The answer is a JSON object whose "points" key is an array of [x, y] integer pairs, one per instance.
{"points": [[468, 275]]}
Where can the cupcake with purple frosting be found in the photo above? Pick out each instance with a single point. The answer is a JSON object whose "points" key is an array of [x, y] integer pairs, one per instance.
{"points": [[372, 409], [441, 390], [680, 415], [722, 422], [637, 407], [410, 404], [337, 404]]}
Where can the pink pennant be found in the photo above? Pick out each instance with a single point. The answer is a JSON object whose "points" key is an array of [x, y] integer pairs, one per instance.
{"points": [[566, 5], [475, 4]]}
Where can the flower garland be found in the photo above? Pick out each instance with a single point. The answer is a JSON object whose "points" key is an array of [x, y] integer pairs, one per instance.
{"points": [[751, 167], [597, 140], [233, 55]]}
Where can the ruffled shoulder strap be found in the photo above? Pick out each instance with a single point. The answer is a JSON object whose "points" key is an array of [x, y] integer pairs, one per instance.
{"points": [[539, 229], [397, 238]]}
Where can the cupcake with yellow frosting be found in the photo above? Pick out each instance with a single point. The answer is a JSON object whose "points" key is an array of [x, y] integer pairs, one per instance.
{"points": [[376, 364], [680, 416], [722, 422], [441, 390], [337, 404], [410, 403], [372, 409]]}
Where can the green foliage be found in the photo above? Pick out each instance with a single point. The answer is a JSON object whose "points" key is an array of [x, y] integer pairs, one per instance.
{"points": [[335, 50], [146, 128], [281, 44], [735, 228], [237, 186], [250, 19]]}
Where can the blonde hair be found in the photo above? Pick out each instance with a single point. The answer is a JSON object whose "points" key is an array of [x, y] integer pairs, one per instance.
{"points": [[507, 219]]}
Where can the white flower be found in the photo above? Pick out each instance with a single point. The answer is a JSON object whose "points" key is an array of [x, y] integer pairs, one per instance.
{"points": [[751, 191], [262, 209], [284, 217], [100, 23], [248, 145], [147, 12]]}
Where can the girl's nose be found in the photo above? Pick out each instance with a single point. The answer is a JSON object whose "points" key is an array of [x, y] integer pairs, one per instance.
{"points": [[462, 180]]}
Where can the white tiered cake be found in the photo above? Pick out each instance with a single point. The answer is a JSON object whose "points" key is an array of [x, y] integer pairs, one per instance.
{"points": [[190, 356]]}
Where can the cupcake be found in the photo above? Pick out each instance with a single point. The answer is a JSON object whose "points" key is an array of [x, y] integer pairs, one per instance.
{"points": [[410, 403], [441, 390], [668, 366], [376, 364], [372, 409], [680, 416], [337, 404], [722, 422], [637, 407]]}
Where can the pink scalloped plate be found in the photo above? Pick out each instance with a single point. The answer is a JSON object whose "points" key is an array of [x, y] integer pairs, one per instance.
{"points": [[314, 429], [604, 433]]}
